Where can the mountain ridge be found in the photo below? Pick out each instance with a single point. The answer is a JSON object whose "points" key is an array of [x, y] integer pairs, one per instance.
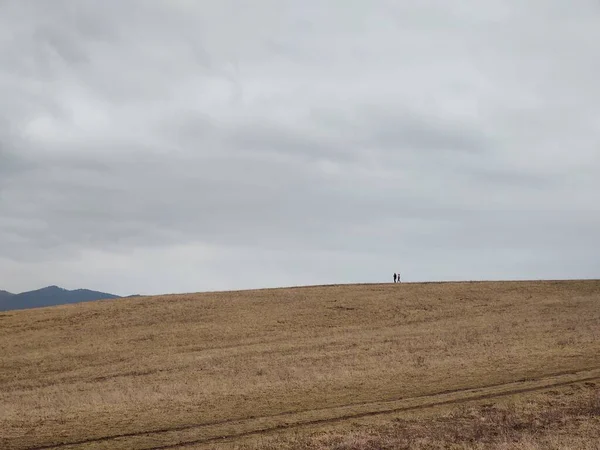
{"points": [[49, 296], [5, 295]]}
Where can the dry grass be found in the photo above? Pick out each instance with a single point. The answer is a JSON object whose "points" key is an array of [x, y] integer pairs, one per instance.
{"points": [[168, 363], [568, 418]]}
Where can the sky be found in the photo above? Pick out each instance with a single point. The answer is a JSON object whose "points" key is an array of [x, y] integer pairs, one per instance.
{"points": [[159, 146]]}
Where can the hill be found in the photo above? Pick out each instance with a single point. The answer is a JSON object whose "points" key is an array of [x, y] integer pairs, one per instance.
{"points": [[4, 295], [49, 296], [310, 368]]}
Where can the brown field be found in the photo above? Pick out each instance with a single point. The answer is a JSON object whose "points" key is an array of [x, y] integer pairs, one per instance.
{"points": [[431, 365]]}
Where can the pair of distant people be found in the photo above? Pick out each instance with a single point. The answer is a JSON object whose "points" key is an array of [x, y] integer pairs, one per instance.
{"points": [[397, 278]]}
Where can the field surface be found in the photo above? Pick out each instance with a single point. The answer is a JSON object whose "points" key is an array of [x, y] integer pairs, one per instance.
{"points": [[231, 368]]}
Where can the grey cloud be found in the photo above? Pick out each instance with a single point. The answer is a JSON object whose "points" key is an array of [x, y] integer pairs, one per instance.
{"points": [[288, 140], [243, 201], [345, 135], [12, 162], [300, 142], [406, 130], [514, 178], [64, 45], [9, 164]]}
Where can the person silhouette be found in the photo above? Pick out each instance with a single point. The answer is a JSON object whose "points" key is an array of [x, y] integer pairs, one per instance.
{"points": [[394, 277]]}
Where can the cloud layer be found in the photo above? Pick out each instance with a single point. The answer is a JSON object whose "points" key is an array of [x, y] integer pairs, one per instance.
{"points": [[168, 146]]}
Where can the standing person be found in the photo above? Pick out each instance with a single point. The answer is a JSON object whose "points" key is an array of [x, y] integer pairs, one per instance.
{"points": [[394, 277], [398, 277]]}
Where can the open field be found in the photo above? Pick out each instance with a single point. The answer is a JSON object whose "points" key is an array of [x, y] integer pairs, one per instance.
{"points": [[559, 418], [226, 368]]}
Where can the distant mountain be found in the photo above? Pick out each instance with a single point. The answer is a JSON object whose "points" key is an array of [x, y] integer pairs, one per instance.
{"points": [[49, 296], [4, 295]]}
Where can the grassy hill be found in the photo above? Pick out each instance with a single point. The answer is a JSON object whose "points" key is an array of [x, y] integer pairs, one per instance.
{"points": [[231, 368]]}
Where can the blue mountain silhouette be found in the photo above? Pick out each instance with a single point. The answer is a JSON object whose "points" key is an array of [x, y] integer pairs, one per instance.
{"points": [[49, 296]]}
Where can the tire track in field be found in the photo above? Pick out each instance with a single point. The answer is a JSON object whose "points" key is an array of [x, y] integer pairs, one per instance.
{"points": [[231, 429]]}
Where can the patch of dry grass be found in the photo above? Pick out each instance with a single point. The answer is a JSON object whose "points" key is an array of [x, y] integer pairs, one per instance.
{"points": [[115, 367], [568, 418]]}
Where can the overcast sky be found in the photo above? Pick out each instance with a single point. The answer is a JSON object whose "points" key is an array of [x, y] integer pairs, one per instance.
{"points": [[152, 146]]}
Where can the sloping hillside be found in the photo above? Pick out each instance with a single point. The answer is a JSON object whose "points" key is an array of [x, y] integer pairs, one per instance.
{"points": [[151, 372]]}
